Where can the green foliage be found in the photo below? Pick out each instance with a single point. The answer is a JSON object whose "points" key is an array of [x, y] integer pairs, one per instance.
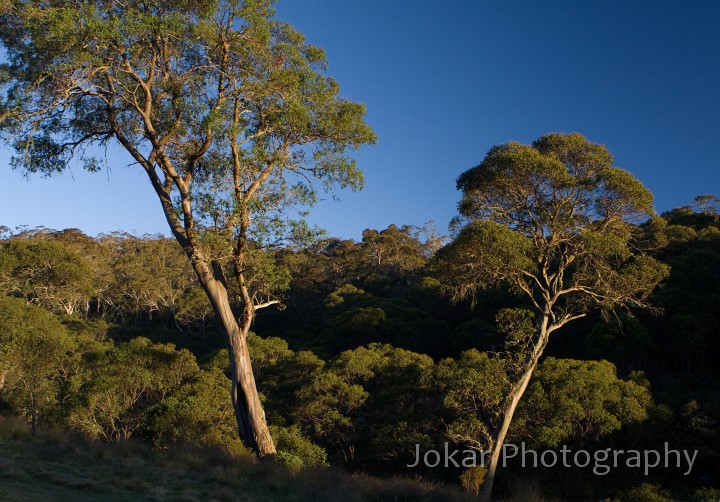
{"points": [[150, 276], [267, 352], [516, 324], [687, 215], [394, 251], [706, 495], [375, 385], [472, 478], [258, 112], [225, 108], [483, 255], [47, 273], [35, 354], [124, 382], [194, 309], [326, 407], [554, 222], [473, 388], [690, 297], [116, 277], [361, 319], [518, 327], [280, 373], [295, 450], [572, 399], [265, 276], [346, 292], [367, 407], [646, 492], [391, 401], [197, 413]]}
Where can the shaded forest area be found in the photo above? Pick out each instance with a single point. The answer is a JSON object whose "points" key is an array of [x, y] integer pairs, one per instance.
{"points": [[365, 358]]}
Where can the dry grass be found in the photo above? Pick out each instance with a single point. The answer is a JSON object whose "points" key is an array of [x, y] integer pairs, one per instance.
{"points": [[57, 465], [525, 489]]}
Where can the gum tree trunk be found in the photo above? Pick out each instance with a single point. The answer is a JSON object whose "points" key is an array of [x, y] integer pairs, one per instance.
{"points": [[512, 401], [249, 414]]}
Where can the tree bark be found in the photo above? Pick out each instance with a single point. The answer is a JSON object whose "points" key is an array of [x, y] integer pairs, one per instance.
{"points": [[249, 414], [33, 413], [512, 401]]}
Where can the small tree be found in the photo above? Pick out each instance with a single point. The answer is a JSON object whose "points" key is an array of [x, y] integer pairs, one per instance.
{"points": [[555, 222], [46, 273], [124, 383], [224, 108], [34, 356]]}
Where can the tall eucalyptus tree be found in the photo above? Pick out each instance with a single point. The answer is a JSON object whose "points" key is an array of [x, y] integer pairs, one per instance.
{"points": [[557, 223], [224, 108]]}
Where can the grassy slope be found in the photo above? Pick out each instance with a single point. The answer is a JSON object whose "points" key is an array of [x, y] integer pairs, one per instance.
{"points": [[56, 467]]}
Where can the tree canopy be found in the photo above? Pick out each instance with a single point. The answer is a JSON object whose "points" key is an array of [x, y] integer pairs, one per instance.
{"points": [[558, 223]]}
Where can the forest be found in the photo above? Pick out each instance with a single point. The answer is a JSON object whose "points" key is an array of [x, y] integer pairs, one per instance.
{"points": [[560, 315], [113, 337]]}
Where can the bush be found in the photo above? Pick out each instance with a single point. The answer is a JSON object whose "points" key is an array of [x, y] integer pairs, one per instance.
{"points": [[646, 492], [197, 414], [706, 495], [295, 450], [125, 382], [34, 351]]}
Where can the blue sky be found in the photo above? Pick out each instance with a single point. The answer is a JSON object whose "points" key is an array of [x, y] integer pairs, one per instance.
{"points": [[445, 81]]}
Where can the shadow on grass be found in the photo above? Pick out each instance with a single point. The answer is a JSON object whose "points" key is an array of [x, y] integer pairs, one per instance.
{"points": [[59, 465]]}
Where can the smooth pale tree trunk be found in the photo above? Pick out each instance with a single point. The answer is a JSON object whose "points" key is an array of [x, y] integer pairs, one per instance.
{"points": [[512, 401], [33, 413], [249, 414]]}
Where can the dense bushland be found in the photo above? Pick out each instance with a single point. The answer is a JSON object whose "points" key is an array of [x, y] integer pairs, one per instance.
{"points": [[365, 358]]}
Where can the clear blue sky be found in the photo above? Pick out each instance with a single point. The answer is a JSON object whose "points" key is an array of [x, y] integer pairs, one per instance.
{"points": [[445, 81]]}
